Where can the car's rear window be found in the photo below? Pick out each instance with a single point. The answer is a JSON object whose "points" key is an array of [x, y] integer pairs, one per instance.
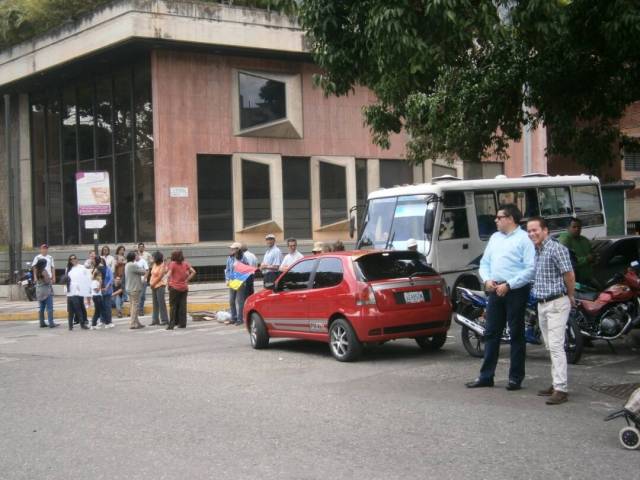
{"points": [[383, 265]]}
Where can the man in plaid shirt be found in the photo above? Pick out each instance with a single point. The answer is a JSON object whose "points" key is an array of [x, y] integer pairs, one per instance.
{"points": [[553, 287]]}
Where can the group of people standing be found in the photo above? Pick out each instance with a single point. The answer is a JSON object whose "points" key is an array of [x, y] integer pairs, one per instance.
{"points": [[108, 281], [514, 263]]}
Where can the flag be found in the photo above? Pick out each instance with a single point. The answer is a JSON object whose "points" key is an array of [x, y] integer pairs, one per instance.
{"points": [[239, 274]]}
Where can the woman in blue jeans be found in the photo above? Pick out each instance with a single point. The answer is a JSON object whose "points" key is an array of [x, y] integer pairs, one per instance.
{"points": [[44, 293]]}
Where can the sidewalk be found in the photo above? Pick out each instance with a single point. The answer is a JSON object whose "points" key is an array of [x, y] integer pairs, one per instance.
{"points": [[214, 298]]}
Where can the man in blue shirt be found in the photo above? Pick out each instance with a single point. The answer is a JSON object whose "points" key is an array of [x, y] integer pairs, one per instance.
{"points": [[507, 269]]}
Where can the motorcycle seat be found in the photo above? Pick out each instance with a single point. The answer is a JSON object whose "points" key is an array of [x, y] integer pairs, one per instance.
{"points": [[589, 296]]}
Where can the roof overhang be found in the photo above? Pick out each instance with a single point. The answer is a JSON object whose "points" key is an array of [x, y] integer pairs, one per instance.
{"points": [[203, 26]]}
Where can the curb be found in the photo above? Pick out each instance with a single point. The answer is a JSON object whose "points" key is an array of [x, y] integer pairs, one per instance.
{"points": [[33, 315]]}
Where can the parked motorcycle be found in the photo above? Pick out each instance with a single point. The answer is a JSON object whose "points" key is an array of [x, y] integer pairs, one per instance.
{"points": [[470, 314], [26, 281], [612, 312]]}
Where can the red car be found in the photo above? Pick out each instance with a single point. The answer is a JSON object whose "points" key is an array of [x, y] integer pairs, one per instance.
{"points": [[348, 299]]}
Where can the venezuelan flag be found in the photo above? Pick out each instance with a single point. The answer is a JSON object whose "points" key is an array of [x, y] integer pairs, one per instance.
{"points": [[239, 274]]}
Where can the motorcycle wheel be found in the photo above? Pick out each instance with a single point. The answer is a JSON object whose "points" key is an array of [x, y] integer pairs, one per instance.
{"points": [[573, 341], [472, 342]]}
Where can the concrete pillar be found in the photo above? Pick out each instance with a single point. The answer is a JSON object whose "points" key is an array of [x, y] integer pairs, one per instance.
{"points": [[24, 158]]}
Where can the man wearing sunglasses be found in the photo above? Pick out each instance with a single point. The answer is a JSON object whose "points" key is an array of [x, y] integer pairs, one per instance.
{"points": [[507, 269]]}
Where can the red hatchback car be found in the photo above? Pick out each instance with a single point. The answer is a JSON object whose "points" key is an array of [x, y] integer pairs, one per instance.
{"points": [[348, 299]]}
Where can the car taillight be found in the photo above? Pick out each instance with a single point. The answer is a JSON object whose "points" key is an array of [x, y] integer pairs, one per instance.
{"points": [[365, 296], [445, 288]]}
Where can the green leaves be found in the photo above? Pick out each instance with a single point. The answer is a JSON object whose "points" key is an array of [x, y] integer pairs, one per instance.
{"points": [[463, 77]]}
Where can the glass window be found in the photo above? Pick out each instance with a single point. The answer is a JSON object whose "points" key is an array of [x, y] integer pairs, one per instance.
{"points": [[408, 220], [329, 273], [215, 201], [333, 193], [85, 121], [388, 265], [123, 180], [395, 172], [377, 223], [297, 197], [69, 125], [453, 224], [70, 201], [586, 198], [104, 127], [486, 214], [256, 193], [297, 277], [554, 201], [39, 169], [145, 194], [122, 110], [361, 189], [440, 170], [108, 232], [53, 132], [143, 109], [454, 199], [525, 200], [55, 207], [261, 100]]}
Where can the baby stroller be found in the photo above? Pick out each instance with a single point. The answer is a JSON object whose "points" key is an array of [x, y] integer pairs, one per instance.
{"points": [[630, 435]]}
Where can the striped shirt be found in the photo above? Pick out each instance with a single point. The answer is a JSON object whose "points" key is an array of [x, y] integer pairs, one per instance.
{"points": [[552, 262]]}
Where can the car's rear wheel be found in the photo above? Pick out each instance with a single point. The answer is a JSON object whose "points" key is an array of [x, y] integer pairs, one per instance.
{"points": [[343, 342], [258, 332], [432, 343]]}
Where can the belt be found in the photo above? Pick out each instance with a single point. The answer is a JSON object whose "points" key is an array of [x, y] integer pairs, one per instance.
{"points": [[550, 298]]}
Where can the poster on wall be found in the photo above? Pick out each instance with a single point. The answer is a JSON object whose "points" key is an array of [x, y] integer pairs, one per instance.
{"points": [[94, 194]]}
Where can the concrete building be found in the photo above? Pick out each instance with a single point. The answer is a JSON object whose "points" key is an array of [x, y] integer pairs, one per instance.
{"points": [[208, 122]]}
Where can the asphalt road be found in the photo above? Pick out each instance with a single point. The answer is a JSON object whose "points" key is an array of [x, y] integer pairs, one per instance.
{"points": [[201, 404]]}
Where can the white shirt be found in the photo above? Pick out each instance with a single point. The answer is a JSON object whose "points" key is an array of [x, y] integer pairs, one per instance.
{"points": [[142, 263], [95, 288], [290, 259], [110, 262], [79, 281], [251, 259], [49, 267]]}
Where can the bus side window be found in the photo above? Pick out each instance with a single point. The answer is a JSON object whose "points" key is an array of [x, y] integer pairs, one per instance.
{"points": [[453, 224], [525, 200], [485, 214]]}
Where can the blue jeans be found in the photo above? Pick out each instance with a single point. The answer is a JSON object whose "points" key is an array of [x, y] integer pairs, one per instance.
{"points": [[106, 308], [501, 311], [236, 302], [48, 304], [142, 297], [118, 300]]}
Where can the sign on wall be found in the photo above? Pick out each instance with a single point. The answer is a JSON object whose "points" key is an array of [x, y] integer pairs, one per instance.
{"points": [[179, 192], [94, 194]]}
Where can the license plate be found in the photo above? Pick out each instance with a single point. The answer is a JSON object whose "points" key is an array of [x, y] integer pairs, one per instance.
{"points": [[24, 282], [413, 297]]}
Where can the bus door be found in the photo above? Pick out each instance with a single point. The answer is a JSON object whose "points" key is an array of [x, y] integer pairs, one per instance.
{"points": [[455, 247]]}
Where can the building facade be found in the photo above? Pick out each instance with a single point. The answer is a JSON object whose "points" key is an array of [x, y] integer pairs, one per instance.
{"points": [[208, 121]]}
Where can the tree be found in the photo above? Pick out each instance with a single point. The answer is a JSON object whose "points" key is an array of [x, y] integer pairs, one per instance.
{"points": [[463, 77]]}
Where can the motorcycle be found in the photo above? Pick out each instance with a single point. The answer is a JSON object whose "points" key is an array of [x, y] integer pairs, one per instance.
{"points": [[26, 281], [612, 312], [470, 315]]}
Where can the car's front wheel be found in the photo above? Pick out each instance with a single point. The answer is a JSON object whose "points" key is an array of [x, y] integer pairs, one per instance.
{"points": [[258, 332], [432, 343], [343, 342]]}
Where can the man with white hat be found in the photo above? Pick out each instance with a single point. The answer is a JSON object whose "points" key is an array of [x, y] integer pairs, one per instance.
{"points": [[412, 245], [318, 247], [271, 260]]}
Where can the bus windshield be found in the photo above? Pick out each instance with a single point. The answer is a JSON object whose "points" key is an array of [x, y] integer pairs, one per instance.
{"points": [[390, 222]]}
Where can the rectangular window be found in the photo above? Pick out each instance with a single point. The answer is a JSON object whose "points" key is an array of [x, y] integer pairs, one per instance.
{"points": [[122, 110], [104, 126], [38, 153], [395, 172], [631, 158], [329, 273], [70, 203], [440, 170], [124, 198], [53, 131], [145, 194], [554, 201], [108, 232], [69, 125], [85, 121], [333, 193], [361, 188], [215, 201], [453, 224], [55, 209], [387, 265], [525, 200], [586, 198], [143, 107], [256, 193], [262, 100], [297, 197], [486, 214]]}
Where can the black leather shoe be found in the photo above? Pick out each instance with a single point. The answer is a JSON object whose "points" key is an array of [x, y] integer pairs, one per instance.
{"points": [[513, 386], [477, 383]]}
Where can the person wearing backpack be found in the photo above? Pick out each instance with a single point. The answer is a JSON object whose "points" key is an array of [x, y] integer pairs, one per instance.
{"points": [[44, 292]]}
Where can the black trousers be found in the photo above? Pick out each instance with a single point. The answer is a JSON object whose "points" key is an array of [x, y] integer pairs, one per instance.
{"points": [[77, 310], [178, 308], [500, 311]]}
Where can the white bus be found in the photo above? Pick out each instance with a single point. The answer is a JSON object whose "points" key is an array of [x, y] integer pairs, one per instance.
{"points": [[452, 219]]}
